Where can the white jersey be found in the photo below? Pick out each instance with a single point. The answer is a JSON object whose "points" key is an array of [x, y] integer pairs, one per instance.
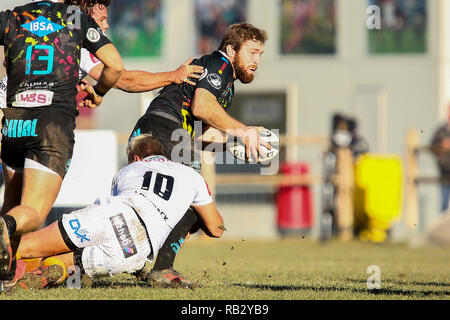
{"points": [[87, 62], [160, 191], [3, 87]]}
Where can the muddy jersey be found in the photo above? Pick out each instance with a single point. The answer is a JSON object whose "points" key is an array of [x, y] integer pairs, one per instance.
{"points": [[217, 78], [157, 189], [43, 42]]}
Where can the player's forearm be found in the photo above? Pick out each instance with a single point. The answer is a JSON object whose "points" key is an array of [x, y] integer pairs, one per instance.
{"points": [[141, 81], [211, 220], [220, 120], [206, 108], [112, 70], [108, 79]]}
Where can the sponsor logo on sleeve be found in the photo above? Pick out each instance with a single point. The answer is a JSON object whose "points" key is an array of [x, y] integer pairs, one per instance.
{"points": [[214, 80], [93, 35]]}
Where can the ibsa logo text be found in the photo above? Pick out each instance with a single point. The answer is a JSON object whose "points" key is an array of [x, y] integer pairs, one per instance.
{"points": [[42, 27]]}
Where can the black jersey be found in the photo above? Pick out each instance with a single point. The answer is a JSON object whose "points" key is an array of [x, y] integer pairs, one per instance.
{"points": [[43, 41], [217, 78]]}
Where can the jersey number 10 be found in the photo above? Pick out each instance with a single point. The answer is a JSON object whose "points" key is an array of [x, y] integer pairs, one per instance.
{"points": [[163, 185], [49, 58]]}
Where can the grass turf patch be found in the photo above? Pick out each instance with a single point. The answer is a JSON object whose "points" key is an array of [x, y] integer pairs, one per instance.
{"points": [[292, 269]]}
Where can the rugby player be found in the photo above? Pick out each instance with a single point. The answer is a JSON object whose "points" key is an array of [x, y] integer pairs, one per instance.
{"points": [[134, 81], [177, 107], [120, 233], [42, 51]]}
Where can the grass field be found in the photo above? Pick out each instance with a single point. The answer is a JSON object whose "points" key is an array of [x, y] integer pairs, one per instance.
{"points": [[292, 269]]}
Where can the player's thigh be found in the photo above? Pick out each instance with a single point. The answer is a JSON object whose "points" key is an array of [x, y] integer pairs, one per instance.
{"points": [[85, 227], [124, 245], [45, 137]]}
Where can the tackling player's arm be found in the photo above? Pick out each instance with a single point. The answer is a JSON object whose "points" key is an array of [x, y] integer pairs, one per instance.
{"points": [[136, 81], [212, 220]]}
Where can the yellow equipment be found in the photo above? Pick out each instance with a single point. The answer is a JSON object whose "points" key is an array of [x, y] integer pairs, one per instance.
{"points": [[378, 195]]}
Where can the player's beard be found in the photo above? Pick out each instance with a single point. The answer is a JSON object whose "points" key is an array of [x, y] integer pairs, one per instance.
{"points": [[241, 71]]}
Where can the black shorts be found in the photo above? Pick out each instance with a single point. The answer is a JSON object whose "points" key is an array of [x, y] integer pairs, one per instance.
{"points": [[178, 147], [42, 135]]}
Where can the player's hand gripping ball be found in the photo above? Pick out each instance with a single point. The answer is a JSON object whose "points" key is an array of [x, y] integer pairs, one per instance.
{"points": [[237, 148]]}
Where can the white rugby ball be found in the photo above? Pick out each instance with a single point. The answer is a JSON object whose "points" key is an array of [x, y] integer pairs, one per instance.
{"points": [[237, 148]]}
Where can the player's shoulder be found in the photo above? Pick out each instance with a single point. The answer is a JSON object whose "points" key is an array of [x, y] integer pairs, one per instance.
{"points": [[218, 58], [218, 72], [34, 4]]}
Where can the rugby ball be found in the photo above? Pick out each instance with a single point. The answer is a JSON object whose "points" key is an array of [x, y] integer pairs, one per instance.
{"points": [[237, 148]]}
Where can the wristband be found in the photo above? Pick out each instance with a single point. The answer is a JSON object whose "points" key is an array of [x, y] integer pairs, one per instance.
{"points": [[98, 92]]}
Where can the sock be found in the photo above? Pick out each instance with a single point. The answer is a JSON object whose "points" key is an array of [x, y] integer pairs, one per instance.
{"points": [[169, 250], [11, 273], [10, 224]]}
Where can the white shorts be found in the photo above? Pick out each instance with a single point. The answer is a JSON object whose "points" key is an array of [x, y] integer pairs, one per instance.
{"points": [[111, 236]]}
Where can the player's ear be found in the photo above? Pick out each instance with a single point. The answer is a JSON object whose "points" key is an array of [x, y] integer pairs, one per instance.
{"points": [[137, 158], [231, 53]]}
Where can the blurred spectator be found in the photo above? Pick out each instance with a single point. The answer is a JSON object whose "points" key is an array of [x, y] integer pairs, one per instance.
{"points": [[137, 27], [440, 146], [341, 136], [213, 18], [345, 134], [359, 144], [308, 26]]}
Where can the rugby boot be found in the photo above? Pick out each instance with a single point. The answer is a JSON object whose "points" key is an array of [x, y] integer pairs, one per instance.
{"points": [[41, 277], [170, 278], [6, 256], [7, 286]]}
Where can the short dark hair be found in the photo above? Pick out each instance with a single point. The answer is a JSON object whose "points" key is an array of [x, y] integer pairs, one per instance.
{"points": [[144, 145], [238, 33], [87, 5]]}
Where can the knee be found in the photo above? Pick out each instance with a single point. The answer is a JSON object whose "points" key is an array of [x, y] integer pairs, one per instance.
{"points": [[27, 218]]}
